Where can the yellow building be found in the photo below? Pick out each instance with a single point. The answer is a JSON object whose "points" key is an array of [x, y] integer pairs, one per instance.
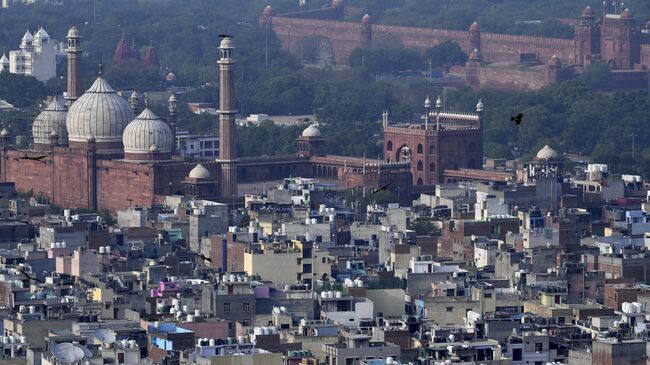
{"points": [[288, 263]]}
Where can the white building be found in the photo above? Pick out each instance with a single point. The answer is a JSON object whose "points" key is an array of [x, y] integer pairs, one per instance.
{"points": [[197, 146], [488, 205], [36, 56]]}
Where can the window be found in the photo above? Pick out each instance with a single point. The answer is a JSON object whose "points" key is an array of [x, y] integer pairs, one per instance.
{"points": [[323, 259], [539, 347], [487, 295], [389, 146], [432, 167], [405, 154], [420, 148], [247, 307], [450, 309], [432, 150], [516, 355], [226, 307], [420, 166], [420, 182]]}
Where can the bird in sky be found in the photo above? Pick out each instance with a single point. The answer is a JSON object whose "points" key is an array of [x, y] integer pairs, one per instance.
{"points": [[517, 118], [29, 276]]}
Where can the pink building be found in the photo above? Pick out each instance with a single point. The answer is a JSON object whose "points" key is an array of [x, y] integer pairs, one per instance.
{"points": [[165, 287], [84, 262]]}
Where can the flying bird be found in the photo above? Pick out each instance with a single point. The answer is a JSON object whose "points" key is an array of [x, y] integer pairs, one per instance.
{"points": [[39, 158], [517, 118], [29, 276], [385, 187], [202, 256]]}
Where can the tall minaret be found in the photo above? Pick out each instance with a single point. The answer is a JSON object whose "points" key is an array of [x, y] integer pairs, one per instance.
{"points": [[227, 154], [74, 52]]}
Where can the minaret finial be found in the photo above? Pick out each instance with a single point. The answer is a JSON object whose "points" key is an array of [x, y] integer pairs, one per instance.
{"points": [[146, 100], [100, 73]]}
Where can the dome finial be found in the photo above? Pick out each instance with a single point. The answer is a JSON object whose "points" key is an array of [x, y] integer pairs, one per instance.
{"points": [[100, 73], [146, 100]]}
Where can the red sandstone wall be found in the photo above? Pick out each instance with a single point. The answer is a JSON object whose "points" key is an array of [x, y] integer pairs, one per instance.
{"points": [[39, 177], [345, 36], [118, 181], [70, 181], [510, 79], [420, 37], [645, 55], [503, 47]]}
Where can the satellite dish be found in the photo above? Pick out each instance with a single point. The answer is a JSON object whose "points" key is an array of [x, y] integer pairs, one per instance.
{"points": [[66, 352], [105, 335]]}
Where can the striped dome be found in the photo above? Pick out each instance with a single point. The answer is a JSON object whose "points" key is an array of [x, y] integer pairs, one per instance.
{"points": [[147, 133], [99, 113], [51, 120]]}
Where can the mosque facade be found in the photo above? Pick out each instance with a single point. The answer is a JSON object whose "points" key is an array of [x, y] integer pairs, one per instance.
{"points": [[101, 151]]}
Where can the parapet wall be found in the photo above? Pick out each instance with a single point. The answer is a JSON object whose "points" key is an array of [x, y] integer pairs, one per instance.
{"points": [[346, 36]]}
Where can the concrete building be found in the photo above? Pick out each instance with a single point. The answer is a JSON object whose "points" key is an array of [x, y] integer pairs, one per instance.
{"points": [[300, 262], [357, 347], [207, 218], [197, 146], [237, 352], [36, 56]]}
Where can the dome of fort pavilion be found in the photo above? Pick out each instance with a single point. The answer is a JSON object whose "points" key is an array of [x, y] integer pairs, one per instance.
{"points": [[311, 131]]}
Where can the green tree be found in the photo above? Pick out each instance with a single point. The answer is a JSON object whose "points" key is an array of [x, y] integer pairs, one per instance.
{"points": [[597, 76], [21, 90], [445, 55]]}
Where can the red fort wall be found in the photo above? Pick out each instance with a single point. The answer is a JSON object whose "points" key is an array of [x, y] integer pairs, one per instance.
{"points": [[346, 36]]}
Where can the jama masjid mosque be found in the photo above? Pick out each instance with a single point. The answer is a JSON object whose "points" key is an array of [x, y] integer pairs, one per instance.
{"points": [[100, 151]]}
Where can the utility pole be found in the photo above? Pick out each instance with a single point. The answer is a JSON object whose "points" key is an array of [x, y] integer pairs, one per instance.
{"points": [[266, 48], [633, 151], [430, 71]]}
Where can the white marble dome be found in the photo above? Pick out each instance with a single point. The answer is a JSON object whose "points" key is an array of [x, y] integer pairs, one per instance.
{"points": [[547, 153], [100, 113], [199, 172], [147, 133], [51, 120], [311, 131]]}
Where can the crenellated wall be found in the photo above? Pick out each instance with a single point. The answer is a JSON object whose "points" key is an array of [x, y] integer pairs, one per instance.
{"points": [[346, 36], [505, 47]]}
